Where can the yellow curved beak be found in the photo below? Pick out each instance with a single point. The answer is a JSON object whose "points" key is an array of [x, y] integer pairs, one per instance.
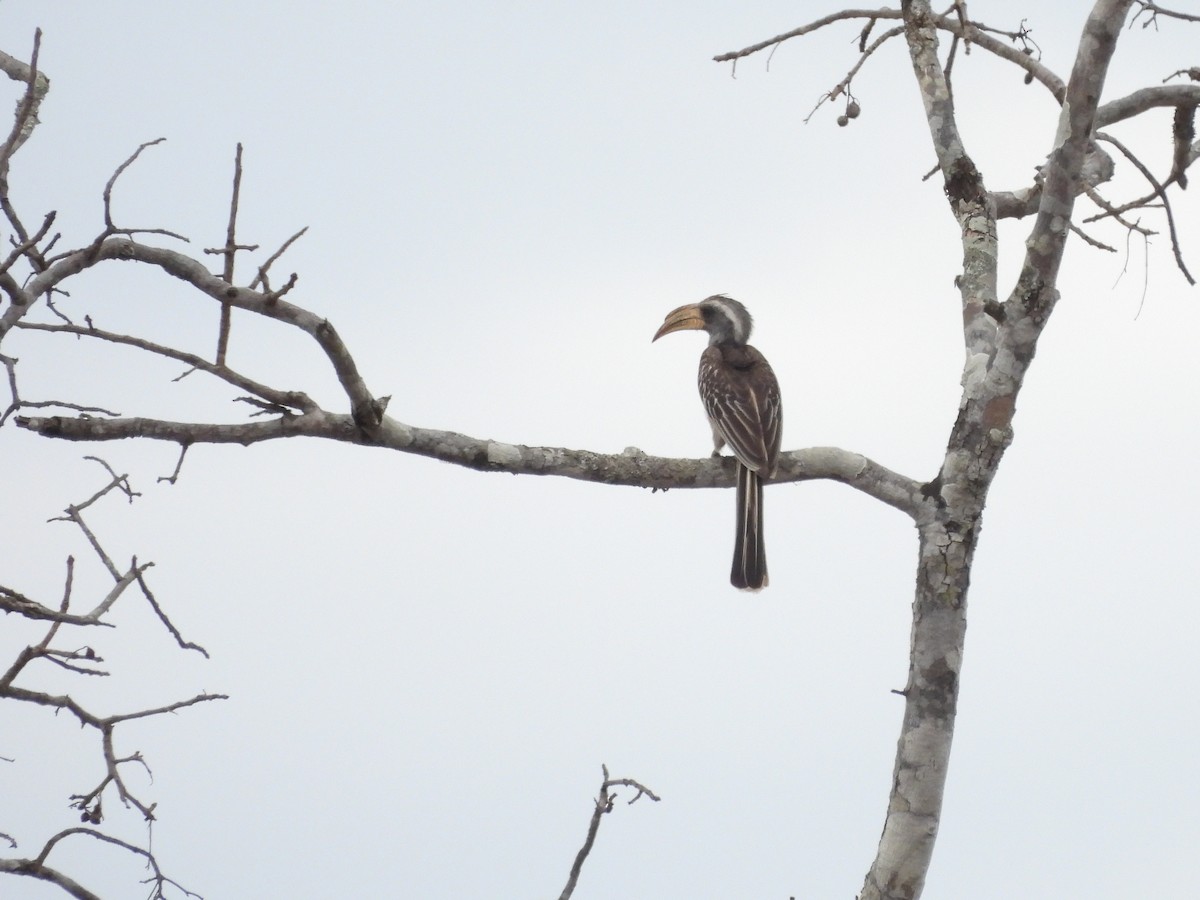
{"points": [[681, 319]]}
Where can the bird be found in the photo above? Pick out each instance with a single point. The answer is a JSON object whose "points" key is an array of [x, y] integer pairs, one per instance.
{"points": [[741, 397]]}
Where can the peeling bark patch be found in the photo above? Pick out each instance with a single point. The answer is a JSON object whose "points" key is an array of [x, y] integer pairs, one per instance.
{"points": [[502, 454], [998, 412]]}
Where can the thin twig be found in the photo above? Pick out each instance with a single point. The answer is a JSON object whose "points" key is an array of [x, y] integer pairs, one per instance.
{"points": [[287, 399], [948, 68], [1096, 198], [174, 476], [1160, 191], [22, 248], [1154, 11], [261, 277], [162, 616], [843, 86], [110, 228], [37, 867], [230, 252], [1027, 56], [1099, 245]]}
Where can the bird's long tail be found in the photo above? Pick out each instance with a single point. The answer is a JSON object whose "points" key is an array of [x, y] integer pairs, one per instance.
{"points": [[749, 553]]}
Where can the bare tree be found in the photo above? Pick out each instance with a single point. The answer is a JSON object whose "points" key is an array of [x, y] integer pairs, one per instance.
{"points": [[1001, 332]]}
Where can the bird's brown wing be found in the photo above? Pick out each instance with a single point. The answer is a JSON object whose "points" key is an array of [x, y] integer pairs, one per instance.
{"points": [[741, 397]]}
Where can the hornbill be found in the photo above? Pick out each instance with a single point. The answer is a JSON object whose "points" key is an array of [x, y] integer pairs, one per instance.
{"points": [[741, 397]]}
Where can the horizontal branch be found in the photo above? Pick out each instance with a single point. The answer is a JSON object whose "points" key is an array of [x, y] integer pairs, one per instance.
{"points": [[973, 32], [1097, 169], [1153, 10], [1148, 98], [632, 468], [169, 708]]}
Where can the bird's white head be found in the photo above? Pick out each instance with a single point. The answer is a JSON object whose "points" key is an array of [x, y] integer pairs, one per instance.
{"points": [[726, 320]]}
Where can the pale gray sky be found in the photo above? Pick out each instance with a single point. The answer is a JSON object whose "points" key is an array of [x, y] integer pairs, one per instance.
{"points": [[428, 665]]}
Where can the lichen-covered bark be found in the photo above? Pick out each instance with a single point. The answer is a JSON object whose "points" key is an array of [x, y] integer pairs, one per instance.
{"points": [[631, 467], [999, 342], [923, 752]]}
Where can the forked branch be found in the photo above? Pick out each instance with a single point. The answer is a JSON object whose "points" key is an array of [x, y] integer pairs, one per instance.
{"points": [[603, 804], [86, 661], [36, 867]]}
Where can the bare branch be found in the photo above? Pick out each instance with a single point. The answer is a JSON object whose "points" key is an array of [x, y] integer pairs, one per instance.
{"points": [[163, 710], [364, 407], [1160, 192], [840, 16], [134, 574], [85, 661], [281, 399], [24, 122], [229, 251], [1193, 73], [22, 248], [1099, 245], [271, 296], [843, 86], [105, 725], [1097, 169], [632, 468], [1183, 132], [1095, 197], [12, 601], [603, 804], [110, 228], [158, 610], [174, 476], [37, 868], [16, 294], [261, 277], [1153, 11], [74, 514], [1145, 99], [10, 365], [33, 652], [26, 118], [974, 32], [53, 404], [1145, 266]]}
